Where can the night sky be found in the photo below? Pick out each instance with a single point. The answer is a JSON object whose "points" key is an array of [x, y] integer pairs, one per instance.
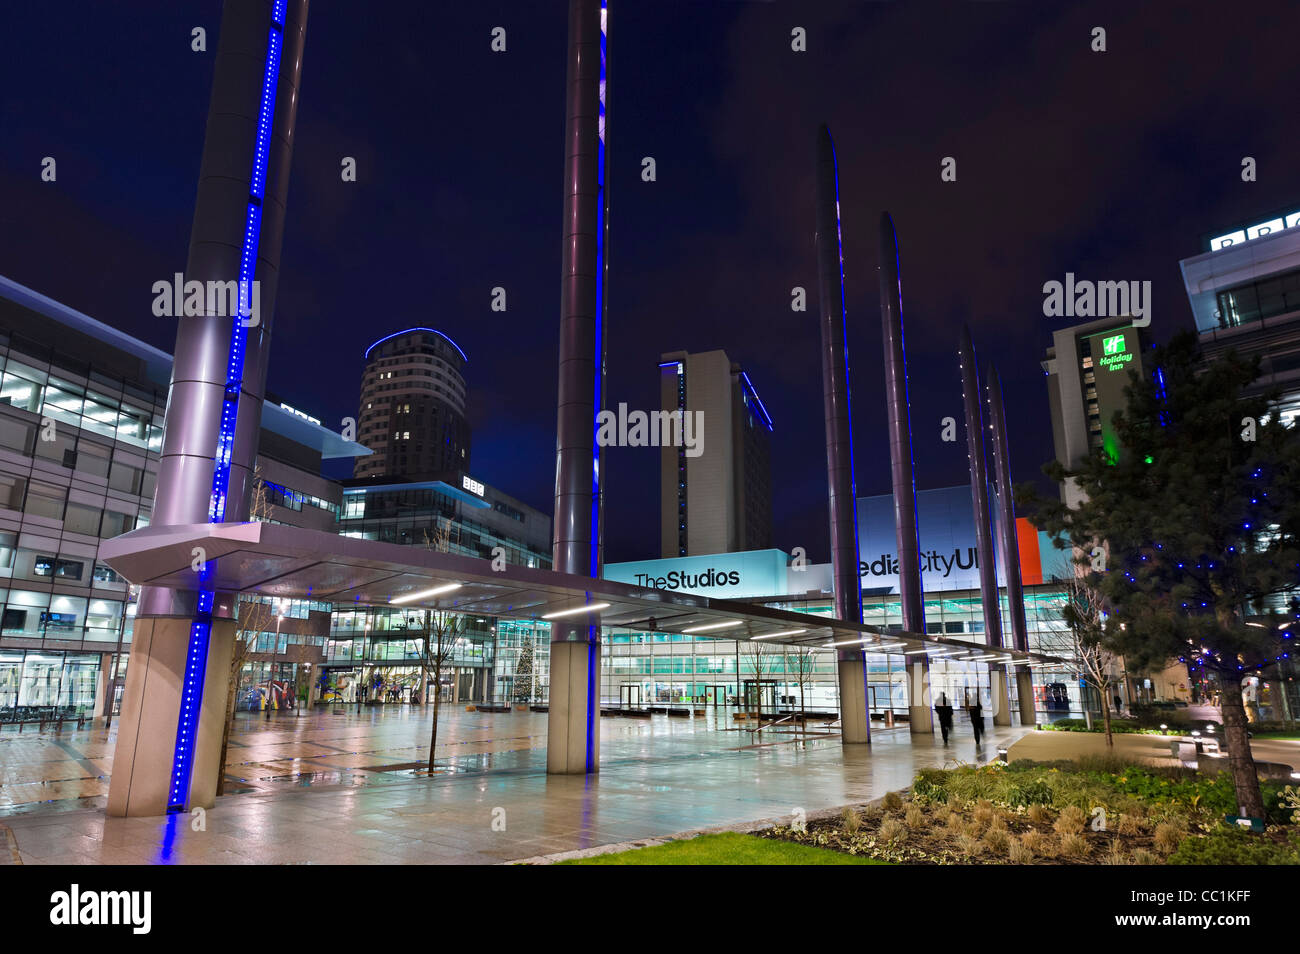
{"points": [[1111, 165]]}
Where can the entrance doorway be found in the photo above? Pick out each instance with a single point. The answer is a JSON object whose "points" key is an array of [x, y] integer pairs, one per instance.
{"points": [[760, 695], [629, 695]]}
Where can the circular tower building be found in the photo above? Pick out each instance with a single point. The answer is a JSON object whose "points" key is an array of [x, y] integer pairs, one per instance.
{"points": [[412, 408]]}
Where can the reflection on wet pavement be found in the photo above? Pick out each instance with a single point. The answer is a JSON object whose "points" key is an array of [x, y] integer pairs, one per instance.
{"points": [[342, 785]]}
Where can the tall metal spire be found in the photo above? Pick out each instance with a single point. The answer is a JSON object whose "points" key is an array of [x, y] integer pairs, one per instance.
{"points": [[979, 492], [851, 662], [1010, 543], [902, 471]]}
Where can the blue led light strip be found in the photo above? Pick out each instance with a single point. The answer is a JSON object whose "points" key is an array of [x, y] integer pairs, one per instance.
{"points": [[600, 304], [844, 325], [201, 630], [593, 635], [749, 385]]}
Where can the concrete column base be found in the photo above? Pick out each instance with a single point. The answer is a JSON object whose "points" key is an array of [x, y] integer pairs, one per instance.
{"points": [[573, 716], [998, 690], [1025, 688], [920, 719], [151, 705], [855, 719]]}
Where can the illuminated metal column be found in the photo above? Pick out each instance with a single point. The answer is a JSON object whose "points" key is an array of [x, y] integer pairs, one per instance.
{"points": [[904, 480], [854, 715], [573, 718], [1010, 545], [169, 735], [979, 495]]}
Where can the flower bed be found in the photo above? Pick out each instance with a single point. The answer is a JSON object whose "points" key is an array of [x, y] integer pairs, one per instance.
{"points": [[1094, 811]]}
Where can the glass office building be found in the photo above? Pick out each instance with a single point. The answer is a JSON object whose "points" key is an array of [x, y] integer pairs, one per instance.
{"points": [[81, 413], [657, 668], [644, 668], [381, 647]]}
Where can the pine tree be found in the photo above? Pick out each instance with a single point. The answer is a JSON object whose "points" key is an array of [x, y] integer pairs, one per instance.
{"points": [[523, 684], [1196, 521]]}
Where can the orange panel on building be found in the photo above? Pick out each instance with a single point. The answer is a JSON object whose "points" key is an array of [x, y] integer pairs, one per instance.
{"points": [[1031, 563]]}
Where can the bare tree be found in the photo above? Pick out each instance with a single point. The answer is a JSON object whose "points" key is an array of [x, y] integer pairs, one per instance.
{"points": [[442, 631], [802, 662], [254, 618], [761, 657], [1098, 664]]}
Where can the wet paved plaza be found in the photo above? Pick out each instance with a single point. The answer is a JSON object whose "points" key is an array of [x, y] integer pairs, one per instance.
{"points": [[339, 786]]}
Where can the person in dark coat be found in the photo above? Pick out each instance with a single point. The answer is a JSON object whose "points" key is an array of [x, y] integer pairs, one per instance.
{"points": [[944, 711], [976, 719]]}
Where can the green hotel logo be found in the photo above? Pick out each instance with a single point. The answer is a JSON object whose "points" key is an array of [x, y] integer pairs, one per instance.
{"points": [[1115, 355]]}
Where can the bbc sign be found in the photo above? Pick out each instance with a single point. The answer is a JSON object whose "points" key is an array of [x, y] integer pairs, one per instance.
{"points": [[1254, 232]]}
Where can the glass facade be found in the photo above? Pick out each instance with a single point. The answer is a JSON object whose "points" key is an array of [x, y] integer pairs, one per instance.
{"points": [[1254, 301], [78, 458], [36, 685], [413, 517], [644, 668], [381, 647]]}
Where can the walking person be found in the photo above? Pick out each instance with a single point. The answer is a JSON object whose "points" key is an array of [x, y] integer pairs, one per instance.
{"points": [[944, 711], [976, 712]]}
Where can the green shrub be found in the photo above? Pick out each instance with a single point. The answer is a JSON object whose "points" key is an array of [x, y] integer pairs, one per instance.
{"points": [[1029, 792], [1117, 726], [929, 786], [1233, 846], [1273, 726], [1215, 795]]}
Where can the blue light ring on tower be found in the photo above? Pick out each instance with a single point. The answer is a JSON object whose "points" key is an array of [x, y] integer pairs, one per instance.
{"points": [[201, 629], [435, 331]]}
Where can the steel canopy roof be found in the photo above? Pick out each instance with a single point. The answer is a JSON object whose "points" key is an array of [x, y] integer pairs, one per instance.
{"points": [[297, 563]]}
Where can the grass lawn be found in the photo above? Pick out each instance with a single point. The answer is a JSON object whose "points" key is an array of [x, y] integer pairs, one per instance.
{"points": [[1285, 736], [727, 848]]}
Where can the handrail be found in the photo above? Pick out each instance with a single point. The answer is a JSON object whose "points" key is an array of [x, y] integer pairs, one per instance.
{"points": [[761, 727]]}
